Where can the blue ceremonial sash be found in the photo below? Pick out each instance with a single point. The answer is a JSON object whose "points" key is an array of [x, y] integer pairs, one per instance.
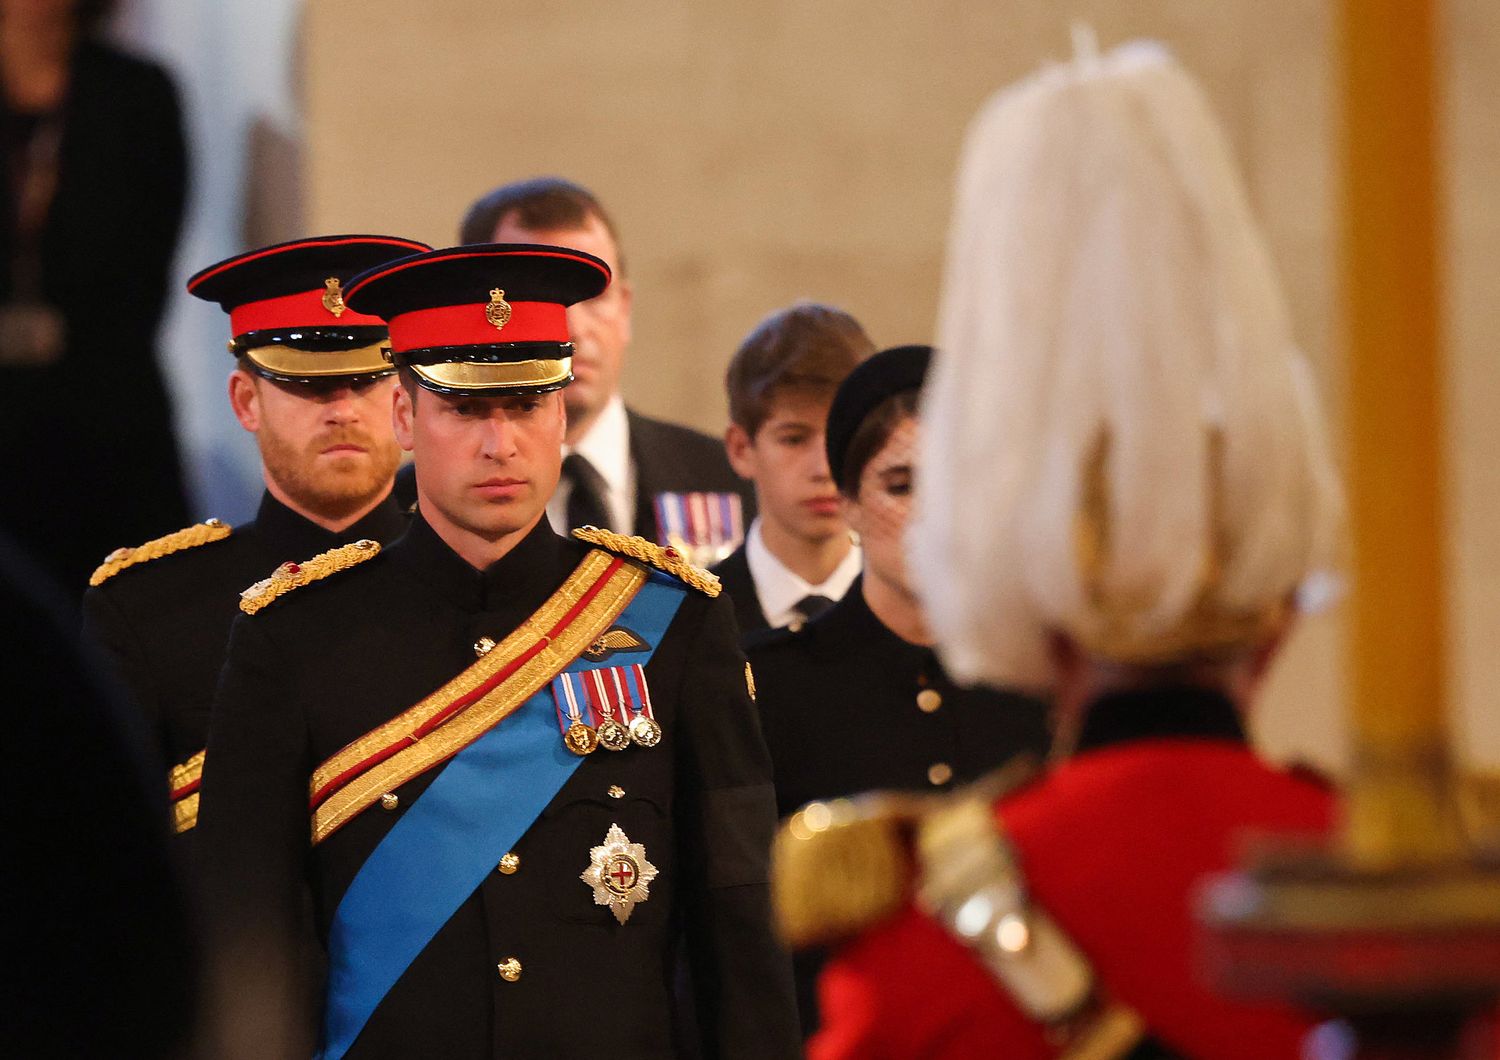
{"points": [[442, 848]]}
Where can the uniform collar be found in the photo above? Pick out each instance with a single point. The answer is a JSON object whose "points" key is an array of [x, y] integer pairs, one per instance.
{"points": [[1177, 711], [778, 589], [297, 538], [519, 581]]}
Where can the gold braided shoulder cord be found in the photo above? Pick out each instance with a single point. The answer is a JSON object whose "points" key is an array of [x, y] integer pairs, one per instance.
{"points": [[191, 537], [663, 558], [291, 576]]}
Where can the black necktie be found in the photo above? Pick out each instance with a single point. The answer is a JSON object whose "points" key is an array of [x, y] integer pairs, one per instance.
{"points": [[812, 606], [586, 498]]}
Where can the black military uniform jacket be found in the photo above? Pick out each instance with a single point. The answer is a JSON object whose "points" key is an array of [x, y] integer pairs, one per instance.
{"points": [[165, 624], [335, 659], [848, 706]]}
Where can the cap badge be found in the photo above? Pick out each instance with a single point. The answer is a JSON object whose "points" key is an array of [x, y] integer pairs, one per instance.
{"points": [[333, 296], [498, 311], [619, 874]]}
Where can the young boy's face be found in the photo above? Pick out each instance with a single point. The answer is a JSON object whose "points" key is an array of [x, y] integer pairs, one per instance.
{"points": [[787, 461]]}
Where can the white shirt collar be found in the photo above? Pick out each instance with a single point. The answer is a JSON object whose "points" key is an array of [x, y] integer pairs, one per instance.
{"points": [[607, 447], [779, 590]]}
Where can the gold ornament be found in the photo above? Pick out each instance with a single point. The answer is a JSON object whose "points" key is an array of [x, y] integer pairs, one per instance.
{"points": [[619, 874], [291, 576], [498, 311], [333, 296], [665, 559], [122, 558]]}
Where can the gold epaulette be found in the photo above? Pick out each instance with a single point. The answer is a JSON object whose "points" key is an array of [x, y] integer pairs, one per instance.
{"points": [[662, 557], [291, 576], [189, 537], [842, 866]]}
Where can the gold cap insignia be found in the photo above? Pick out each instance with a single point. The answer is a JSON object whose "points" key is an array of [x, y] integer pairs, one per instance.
{"points": [[619, 873], [333, 296], [498, 311]]}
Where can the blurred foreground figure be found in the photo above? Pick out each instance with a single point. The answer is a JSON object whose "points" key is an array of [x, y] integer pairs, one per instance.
{"points": [[98, 955], [1124, 487], [94, 178]]}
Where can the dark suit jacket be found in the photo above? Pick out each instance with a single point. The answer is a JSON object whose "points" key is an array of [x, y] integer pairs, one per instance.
{"points": [[734, 573], [674, 459], [332, 661]]}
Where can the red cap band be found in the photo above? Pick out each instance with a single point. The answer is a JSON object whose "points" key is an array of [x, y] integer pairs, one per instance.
{"points": [[468, 325], [305, 309]]}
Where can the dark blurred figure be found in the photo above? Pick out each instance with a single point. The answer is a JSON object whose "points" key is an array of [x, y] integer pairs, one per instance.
{"points": [[97, 948], [95, 177]]}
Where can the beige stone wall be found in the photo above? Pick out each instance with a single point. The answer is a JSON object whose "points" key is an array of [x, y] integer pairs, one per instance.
{"points": [[755, 154]]}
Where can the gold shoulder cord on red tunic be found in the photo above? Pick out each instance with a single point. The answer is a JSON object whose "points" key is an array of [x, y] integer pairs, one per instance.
{"points": [[971, 883], [191, 537], [291, 576], [479, 698]]}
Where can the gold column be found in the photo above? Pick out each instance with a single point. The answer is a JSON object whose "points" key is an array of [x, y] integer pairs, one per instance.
{"points": [[1401, 806]]}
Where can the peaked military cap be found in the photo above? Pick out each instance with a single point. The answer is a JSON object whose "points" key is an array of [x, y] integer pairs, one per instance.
{"points": [[880, 376], [488, 318], [287, 311]]}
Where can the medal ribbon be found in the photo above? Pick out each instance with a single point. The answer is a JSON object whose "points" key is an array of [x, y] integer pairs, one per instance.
{"points": [[447, 842]]}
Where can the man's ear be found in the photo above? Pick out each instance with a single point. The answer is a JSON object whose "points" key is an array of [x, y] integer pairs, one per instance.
{"points": [[740, 447], [402, 412], [244, 399]]}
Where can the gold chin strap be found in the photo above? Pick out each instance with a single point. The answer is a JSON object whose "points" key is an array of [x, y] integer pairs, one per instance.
{"points": [[496, 375], [287, 360]]}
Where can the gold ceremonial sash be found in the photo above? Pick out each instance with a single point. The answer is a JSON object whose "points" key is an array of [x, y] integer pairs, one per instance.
{"points": [[445, 722], [182, 787]]}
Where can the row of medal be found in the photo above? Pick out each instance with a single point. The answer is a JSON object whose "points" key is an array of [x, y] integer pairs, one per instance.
{"points": [[609, 708]]}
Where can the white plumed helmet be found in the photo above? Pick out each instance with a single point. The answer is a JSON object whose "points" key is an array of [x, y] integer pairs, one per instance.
{"points": [[1120, 439]]}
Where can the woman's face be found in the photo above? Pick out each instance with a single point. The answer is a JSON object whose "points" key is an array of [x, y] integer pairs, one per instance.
{"points": [[879, 511]]}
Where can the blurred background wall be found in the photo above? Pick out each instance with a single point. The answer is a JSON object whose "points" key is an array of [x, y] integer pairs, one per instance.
{"points": [[752, 156]]}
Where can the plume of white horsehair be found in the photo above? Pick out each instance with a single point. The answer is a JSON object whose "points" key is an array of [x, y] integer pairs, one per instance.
{"points": [[1107, 292]]}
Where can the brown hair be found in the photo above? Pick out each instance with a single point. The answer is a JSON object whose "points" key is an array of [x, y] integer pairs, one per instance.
{"points": [[541, 204], [806, 348], [874, 431]]}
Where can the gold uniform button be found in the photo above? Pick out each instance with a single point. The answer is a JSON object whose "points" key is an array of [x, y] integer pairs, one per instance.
{"points": [[928, 700], [389, 801], [616, 792], [939, 773], [510, 969], [483, 646], [509, 864]]}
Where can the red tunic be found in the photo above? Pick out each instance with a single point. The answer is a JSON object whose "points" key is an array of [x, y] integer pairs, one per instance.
{"points": [[1113, 844]]}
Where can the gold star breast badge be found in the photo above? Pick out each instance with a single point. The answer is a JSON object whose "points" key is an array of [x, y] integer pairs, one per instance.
{"points": [[619, 874]]}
